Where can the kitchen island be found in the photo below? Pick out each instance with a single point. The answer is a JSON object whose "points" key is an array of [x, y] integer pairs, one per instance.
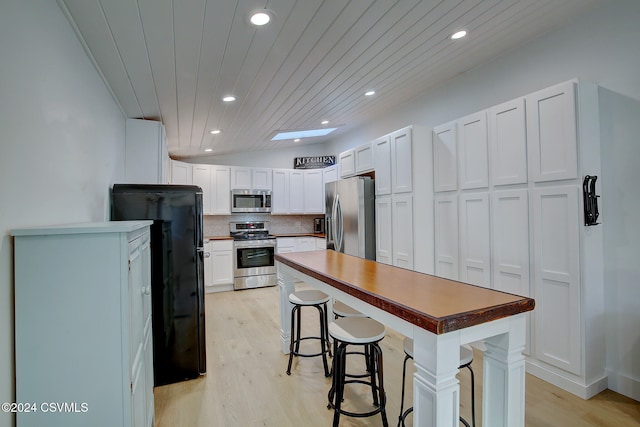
{"points": [[439, 315]]}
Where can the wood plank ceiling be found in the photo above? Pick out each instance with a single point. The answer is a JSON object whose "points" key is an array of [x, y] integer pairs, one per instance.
{"points": [[174, 60]]}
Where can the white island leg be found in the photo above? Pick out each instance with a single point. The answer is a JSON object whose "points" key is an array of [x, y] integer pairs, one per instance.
{"points": [[436, 391], [286, 285], [503, 377]]}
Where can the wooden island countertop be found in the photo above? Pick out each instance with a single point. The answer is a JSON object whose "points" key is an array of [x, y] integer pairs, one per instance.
{"points": [[433, 303]]}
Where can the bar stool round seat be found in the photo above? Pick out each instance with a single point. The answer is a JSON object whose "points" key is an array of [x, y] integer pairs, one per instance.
{"points": [[466, 358], [319, 300], [364, 331], [341, 309]]}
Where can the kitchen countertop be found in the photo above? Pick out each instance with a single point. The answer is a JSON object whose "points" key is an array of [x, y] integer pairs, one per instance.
{"points": [[318, 235]]}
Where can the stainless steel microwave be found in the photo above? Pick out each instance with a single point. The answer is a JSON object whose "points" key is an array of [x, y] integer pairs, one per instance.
{"points": [[250, 201]]}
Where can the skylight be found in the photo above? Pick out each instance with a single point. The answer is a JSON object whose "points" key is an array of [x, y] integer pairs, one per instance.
{"points": [[302, 134]]}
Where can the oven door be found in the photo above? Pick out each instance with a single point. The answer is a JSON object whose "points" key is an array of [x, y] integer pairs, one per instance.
{"points": [[254, 258]]}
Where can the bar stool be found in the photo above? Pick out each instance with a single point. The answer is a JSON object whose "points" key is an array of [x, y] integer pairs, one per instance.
{"points": [[362, 331], [466, 358], [341, 309], [309, 298]]}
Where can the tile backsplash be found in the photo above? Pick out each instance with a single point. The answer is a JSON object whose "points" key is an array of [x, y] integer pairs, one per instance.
{"points": [[218, 225]]}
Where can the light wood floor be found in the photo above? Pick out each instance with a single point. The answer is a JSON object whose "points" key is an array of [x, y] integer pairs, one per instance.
{"points": [[246, 384]]}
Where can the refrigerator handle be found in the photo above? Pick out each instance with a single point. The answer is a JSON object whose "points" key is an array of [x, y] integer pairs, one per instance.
{"points": [[337, 224]]}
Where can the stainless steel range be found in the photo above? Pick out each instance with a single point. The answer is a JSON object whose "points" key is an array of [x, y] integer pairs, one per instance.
{"points": [[253, 255]]}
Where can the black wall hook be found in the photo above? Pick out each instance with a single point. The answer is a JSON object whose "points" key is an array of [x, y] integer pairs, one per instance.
{"points": [[590, 200]]}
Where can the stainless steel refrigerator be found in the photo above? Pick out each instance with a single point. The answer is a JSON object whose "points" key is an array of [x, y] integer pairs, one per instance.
{"points": [[177, 273], [350, 216]]}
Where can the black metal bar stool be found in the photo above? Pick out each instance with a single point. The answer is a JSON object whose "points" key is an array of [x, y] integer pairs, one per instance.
{"points": [[309, 298], [466, 358], [362, 331]]}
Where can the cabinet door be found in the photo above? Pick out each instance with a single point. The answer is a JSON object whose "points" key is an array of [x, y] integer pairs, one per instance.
{"points": [[364, 158], [222, 264], [320, 243], [296, 191], [445, 161], [556, 277], [510, 241], [261, 178], [551, 133], [382, 156], [313, 191], [473, 162], [402, 216], [285, 245], [280, 192], [384, 224], [401, 161], [508, 143], [347, 161], [475, 248], [330, 173], [446, 236], [221, 185], [240, 178], [180, 173], [304, 244], [145, 152], [202, 178]]}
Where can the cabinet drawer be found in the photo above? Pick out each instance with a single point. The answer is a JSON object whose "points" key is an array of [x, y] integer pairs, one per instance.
{"points": [[221, 245]]}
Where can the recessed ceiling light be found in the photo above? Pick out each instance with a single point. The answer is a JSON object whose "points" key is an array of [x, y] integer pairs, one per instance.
{"points": [[324, 122], [296, 140], [261, 17], [229, 98], [370, 93], [458, 35], [279, 136], [208, 150], [214, 132]]}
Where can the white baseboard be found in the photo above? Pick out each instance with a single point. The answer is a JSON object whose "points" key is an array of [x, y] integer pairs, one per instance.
{"points": [[624, 385], [584, 391]]}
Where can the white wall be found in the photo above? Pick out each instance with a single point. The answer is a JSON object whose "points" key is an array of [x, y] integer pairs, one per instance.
{"points": [[600, 46], [61, 139]]}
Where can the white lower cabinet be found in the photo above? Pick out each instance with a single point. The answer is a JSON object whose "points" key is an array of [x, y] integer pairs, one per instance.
{"points": [[384, 232], [299, 244], [83, 324], [446, 236], [475, 251], [218, 266]]}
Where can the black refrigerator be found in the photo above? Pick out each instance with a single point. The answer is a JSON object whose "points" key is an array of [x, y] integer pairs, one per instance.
{"points": [[177, 273]]}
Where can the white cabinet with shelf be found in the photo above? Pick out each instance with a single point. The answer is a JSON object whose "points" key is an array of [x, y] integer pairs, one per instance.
{"points": [[218, 273], [146, 153], [83, 300]]}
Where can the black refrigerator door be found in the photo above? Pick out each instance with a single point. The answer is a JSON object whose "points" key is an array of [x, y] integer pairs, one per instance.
{"points": [[176, 276]]}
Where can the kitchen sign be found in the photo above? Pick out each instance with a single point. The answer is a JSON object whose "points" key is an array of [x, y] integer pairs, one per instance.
{"points": [[313, 162]]}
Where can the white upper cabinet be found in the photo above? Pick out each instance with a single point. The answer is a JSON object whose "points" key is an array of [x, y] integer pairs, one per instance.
{"points": [[280, 195], [313, 191], [347, 162], [240, 178], [181, 173], [551, 133], [382, 156], [473, 164], [508, 143], [146, 153], [401, 161], [296, 191], [202, 178], [445, 171], [261, 178], [220, 190], [364, 157], [475, 248], [330, 173]]}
